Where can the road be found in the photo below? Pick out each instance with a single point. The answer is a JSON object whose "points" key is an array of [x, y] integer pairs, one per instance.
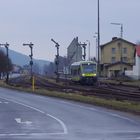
{"points": [[26, 116]]}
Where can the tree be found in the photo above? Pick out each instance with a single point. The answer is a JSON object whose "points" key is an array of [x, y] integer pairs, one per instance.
{"points": [[5, 64]]}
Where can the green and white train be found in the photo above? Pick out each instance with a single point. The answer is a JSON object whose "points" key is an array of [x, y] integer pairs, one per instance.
{"points": [[84, 72]]}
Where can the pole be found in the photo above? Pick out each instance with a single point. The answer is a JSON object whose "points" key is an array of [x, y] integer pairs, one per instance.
{"points": [[98, 38], [84, 56], [31, 62], [57, 64], [121, 49], [31, 59], [33, 84], [77, 48], [88, 49], [84, 47], [121, 46], [65, 69], [121, 30], [57, 60], [7, 52], [96, 46]]}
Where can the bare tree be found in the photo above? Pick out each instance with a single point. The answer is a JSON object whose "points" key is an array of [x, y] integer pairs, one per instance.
{"points": [[5, 64]]}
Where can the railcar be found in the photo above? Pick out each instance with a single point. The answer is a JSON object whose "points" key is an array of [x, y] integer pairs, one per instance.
{"points": [[84, 72]]}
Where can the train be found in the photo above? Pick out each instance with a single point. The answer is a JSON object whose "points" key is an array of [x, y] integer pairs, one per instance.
{"points": [[84, 72]]}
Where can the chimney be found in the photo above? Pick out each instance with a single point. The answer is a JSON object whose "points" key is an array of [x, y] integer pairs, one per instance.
{"points": [[114, 38]]}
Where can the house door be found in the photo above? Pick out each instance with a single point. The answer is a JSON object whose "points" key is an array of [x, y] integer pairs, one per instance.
{"points": [[116, 73]]}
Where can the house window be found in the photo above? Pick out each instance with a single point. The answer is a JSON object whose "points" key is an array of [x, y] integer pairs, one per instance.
{"points": [[119, 44], [113, 59], [124, 59], [113, 50], [124, 50]]}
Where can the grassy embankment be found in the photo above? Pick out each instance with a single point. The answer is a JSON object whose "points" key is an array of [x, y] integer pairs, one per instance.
{"points": [[127, 106]]}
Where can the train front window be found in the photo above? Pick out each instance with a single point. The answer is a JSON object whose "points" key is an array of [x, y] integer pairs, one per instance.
{"points": [[88, 68]]}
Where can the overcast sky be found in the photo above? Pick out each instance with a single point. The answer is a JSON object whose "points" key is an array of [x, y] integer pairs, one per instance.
{"points": [[37, 21]]}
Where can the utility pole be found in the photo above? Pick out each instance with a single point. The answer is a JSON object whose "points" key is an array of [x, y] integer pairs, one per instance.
{"points": [[98, 66], [31, 57], [121, 28], [65, 69], [6, 45], [120, 45], [96, 45], [57, 60]]}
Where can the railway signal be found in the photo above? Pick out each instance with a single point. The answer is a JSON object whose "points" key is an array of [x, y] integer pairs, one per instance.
{"points": [[56, 60], [84, 47], [31, 61]]}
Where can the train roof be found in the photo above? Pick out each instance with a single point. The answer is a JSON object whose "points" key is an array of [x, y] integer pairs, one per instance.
{"points": [[82, 62]]}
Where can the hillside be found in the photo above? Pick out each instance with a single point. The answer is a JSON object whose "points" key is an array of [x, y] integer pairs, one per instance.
{"points": [[21, 59]]}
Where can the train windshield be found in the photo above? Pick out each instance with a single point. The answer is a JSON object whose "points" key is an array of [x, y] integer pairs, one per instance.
{"points": [[89, 68]]}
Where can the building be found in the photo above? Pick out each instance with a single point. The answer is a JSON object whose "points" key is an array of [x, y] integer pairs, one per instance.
{"points": [[117, 56], [135, 73], [74, 51]]}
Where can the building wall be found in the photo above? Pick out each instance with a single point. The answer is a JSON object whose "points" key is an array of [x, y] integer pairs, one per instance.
{"points": [[123, 52], [114, 70], [74, 51], [135, 73], [136, 68], [106, 52]]}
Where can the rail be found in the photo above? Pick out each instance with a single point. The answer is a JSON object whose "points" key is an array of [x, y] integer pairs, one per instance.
{"points": [[107, 91]]}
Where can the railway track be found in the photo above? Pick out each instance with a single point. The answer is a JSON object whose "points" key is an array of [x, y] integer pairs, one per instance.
{"points": [[107, 91]]}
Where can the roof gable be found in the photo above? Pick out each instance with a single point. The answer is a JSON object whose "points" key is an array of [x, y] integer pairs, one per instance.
{"points": [[115, 40], [73, 43]]}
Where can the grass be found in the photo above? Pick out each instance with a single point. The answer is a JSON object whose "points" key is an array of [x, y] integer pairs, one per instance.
{"points": [[127, 106]]}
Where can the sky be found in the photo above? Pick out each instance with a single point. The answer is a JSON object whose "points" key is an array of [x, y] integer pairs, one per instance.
{"points": [[37, 21]]}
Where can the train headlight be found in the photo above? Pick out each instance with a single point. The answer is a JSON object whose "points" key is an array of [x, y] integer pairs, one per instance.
{"points": [[83, 74], [94, 74]]}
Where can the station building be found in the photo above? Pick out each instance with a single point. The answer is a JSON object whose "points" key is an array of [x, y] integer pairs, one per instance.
{"points": [[117, 56]]}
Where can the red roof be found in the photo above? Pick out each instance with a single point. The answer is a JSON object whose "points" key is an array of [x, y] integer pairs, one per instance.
{"points": [[138, 50]]}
